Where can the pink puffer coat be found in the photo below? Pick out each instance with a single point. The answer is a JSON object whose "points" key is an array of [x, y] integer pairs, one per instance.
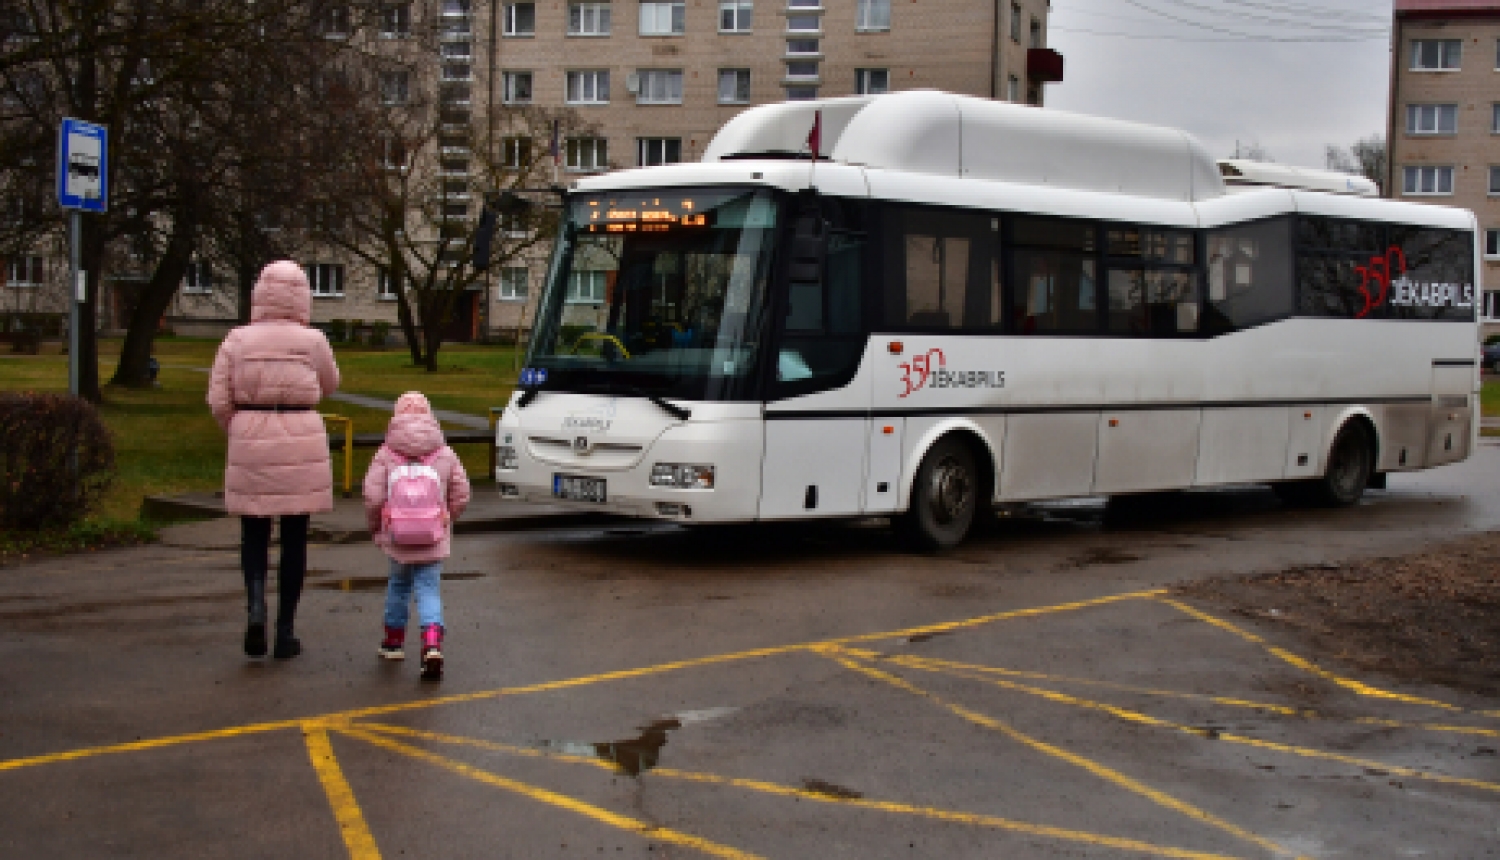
{"points": [[278, 461], [414, 433]]}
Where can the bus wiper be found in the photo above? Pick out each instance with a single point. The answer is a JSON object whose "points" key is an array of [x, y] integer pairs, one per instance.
{"points": [[675, 411]]}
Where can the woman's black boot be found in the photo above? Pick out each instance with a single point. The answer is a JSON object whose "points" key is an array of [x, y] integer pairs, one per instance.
{"points": [[255, 630]]}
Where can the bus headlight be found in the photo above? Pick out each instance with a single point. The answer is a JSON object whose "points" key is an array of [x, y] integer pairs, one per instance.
{"points": [[682, 476], [505, 458]]}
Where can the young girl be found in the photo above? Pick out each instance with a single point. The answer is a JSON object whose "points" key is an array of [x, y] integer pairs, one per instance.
{"points": [[415, 529]]}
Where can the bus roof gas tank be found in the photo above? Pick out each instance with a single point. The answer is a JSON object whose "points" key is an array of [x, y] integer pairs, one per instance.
{"points": [[927, 131]]}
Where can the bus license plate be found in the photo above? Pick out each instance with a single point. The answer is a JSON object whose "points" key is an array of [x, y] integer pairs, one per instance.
{"points": [[578, 489]]}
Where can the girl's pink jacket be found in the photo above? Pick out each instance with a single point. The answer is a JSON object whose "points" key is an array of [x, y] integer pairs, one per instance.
{"points": [[414, 433], [277, 462]]}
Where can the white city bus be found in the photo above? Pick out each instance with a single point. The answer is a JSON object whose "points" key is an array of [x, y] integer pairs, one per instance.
{"points": [[963, 302]]}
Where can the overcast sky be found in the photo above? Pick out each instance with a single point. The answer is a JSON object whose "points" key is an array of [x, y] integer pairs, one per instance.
{"points": [[1289, 75]]}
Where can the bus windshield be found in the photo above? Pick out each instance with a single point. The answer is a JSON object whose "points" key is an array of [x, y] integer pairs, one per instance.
{"points": [[660, 292]]}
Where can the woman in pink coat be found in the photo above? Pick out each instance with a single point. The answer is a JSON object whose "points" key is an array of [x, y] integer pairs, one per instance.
{"points": [[414, 439], [267, 380]]}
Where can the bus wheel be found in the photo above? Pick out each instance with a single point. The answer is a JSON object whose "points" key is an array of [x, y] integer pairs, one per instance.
{"points": [[944, 497], [1350, 462]]}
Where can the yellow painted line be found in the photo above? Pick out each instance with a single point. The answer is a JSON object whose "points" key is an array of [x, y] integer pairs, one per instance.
{"points": [[1222, 737], [552, 798], [356, 833], [566, 683], [776, 789], [1310, 667], [933, 664], [1100, 770]]}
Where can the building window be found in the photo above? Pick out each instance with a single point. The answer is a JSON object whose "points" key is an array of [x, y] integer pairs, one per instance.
{"points": [[1495, 118], [802, 47], [1036, 34], [1491, 249], [458, 72], [1012, 89], [520, 19], [392, 152], [395, 21], [588, 88], [515, 153], [873, 15], [198, 278], [1436, 54], [802, 70], [588, 19], [1494, 180], [326, 279], [516, 88], [734, 86], [801, 94], [1431, 119], [513, 280], [458, 51], [394, 88], [24, 270], [334, 22], [385, 285], [871, 81], [804, 4], [1427, 180], [586, 287], [735, 16], [659, 87], [804, 24], [662, 19], [1015, 23], [586, 154], [651, 151]]}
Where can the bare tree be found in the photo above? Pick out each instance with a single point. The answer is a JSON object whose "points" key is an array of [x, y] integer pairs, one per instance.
{"points": [[1365, 157]]}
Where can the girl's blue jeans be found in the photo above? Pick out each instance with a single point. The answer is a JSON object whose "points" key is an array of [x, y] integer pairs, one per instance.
{"points": [[424, 579]]}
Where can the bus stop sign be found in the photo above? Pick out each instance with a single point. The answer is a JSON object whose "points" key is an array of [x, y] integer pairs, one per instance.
{"points": [[82, 166]]}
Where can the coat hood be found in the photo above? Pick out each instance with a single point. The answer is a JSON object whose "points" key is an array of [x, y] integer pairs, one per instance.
{"points": [[413, 431], [281, 293]]}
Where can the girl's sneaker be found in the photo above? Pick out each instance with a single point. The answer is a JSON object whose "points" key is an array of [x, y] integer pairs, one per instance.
{"points": [[432, 652], [393, 647]]}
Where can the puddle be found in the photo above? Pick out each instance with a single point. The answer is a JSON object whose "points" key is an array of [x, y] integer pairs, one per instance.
{"points": [[828, 789], [926, 637], [378, 583], [638, 754], [1103, 555]]}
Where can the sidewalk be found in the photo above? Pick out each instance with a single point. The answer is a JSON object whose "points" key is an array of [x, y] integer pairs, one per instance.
{"points": [[487, 513]]}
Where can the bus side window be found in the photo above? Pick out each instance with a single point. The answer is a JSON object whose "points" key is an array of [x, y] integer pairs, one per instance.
{"points": [[1249, 270], [1056, 279], [941, 269]]}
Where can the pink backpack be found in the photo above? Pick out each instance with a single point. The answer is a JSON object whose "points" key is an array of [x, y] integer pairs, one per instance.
{"points": [[415, 511]]}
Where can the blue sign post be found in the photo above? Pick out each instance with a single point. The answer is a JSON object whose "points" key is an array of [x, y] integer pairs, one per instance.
{"points": [[82, 186]]}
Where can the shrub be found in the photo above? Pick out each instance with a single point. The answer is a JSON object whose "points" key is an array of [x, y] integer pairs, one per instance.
{"points": [[380, 332], [58, 459], [354, 329], [338, 330]]}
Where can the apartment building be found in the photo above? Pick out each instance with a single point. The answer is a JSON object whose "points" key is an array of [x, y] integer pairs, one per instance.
{"points": [[1444, 120]]}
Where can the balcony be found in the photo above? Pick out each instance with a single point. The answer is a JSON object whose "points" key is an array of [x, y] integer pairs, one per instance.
{"points": [[1044, 66]]}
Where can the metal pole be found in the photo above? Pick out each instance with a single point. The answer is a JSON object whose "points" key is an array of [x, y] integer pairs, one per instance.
{"points": [[76, 292]]}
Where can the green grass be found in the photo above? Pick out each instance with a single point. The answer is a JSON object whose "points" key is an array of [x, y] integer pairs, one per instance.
{"points": [[1489, 398], [166, 441]]}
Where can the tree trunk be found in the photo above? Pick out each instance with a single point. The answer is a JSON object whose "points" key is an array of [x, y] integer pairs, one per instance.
{"points": [[134, 370]]}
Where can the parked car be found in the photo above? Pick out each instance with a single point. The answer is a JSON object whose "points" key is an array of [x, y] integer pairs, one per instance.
{"points": [[1490, 353]]}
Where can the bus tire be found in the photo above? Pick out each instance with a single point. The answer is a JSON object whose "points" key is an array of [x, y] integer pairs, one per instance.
{"points": [[1351, 462], [944, 497]]}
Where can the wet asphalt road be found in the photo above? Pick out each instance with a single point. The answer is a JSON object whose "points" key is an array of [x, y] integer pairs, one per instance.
{"points": [[798, 692]]}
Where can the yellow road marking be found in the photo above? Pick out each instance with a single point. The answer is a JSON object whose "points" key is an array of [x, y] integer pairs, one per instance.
{"points": [[563, 684], [1225, 737], [776, 789], [1102, 771], [934, 664], [1310, 667], [356, 833], [552, 798]]}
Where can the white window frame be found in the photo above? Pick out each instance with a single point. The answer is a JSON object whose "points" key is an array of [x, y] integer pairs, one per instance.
{"points": [[586, 287], [515, 152], [198, 280], [1414, 178], [865, 81], [740, 95], [458, 72], [1443, 55], [1492, 244], [514, 284], [872, 16], [395, 21], [513, 26], [589, 19], [510, 92], [800, 92], [457, 52], [1495, 118], [817, 50], [383, 283], [1012, 88], [395, 88], [663, 17], [740, 14], [587, 87], [1494, 180], [586, 154], [326, 280], [25, 270], [335, 23], [651, 151], [1427, 119], [802, 71], [802, 19], [659, 87]]}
